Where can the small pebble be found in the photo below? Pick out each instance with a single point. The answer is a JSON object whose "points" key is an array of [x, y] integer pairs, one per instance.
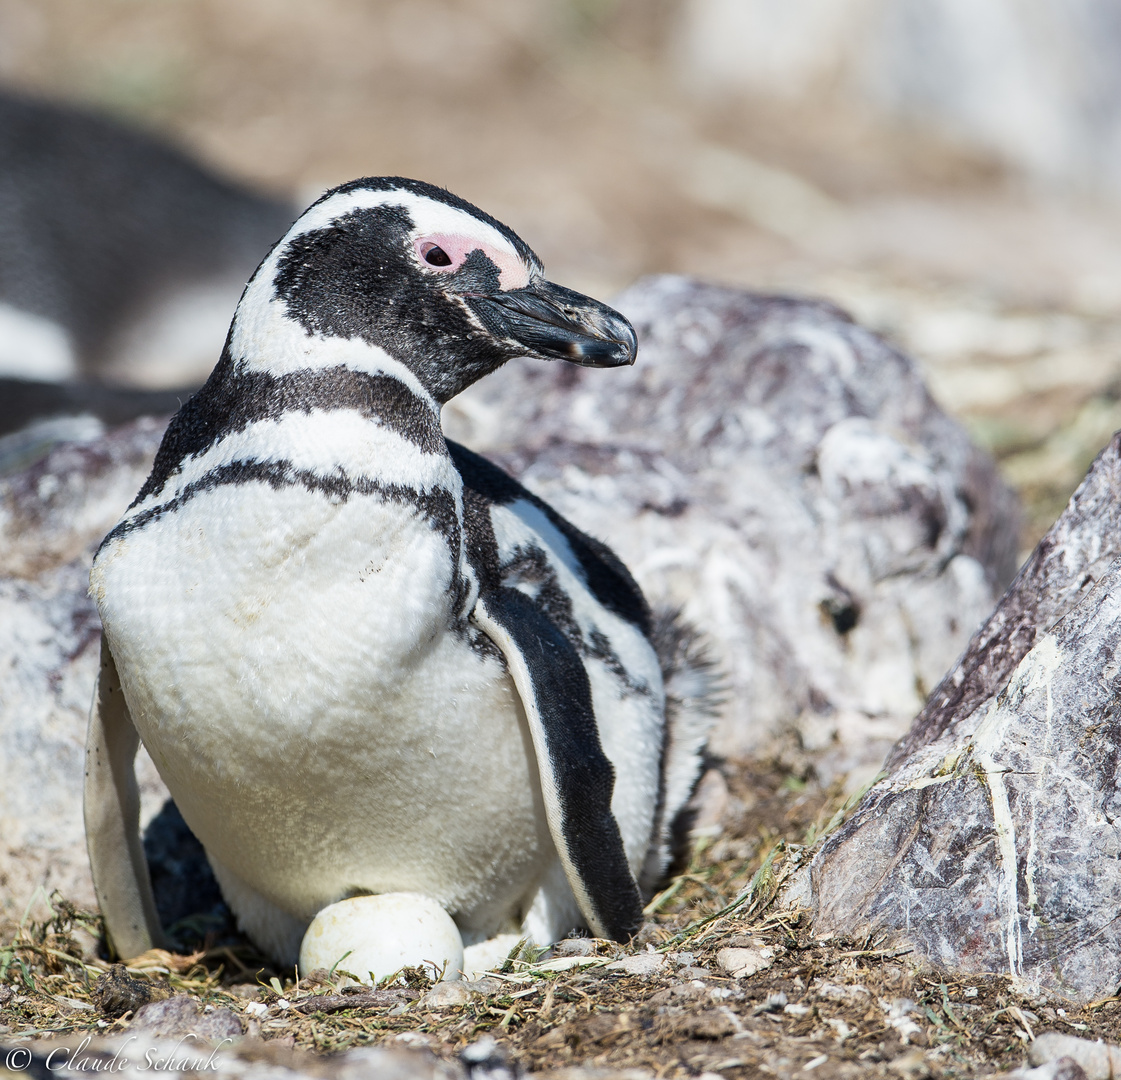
{"points": [[117, 992], [579, 946], [1098, 1060], [484, 985], [643, 963], [445, 995], [773, 1003], [743, 963]]}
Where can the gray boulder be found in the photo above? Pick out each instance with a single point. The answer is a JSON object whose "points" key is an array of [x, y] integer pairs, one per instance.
{"points": [[784, 477], [995, 842], [53, 515]]}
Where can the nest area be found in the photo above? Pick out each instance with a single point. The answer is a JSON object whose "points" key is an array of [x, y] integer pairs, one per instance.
{"points": [[833, 1007]]}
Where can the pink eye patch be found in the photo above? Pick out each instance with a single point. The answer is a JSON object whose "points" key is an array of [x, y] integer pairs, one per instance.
{"points": [[446, 253]]}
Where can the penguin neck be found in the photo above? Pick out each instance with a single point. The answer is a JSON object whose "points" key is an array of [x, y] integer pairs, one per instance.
{"points": [[325, 415], [384, 396], [290, 368]]}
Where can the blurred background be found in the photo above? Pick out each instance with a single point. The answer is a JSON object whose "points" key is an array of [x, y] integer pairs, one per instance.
{"points": [[947, 170]]}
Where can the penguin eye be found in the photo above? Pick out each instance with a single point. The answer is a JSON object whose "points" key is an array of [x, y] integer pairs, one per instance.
{"points": [[446, 252], [440, 256], [435, 255]]}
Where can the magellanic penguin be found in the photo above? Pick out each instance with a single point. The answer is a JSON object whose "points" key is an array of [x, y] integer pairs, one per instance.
{"points": [[363, 658]]}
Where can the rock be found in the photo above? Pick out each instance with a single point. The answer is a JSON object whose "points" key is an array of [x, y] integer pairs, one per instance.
{"points": [[742, 963], [1098, 1060], [180, 1015], [52, 516], [993, 844], [1063, 1068], [485, 986], [446, 994], [783, 476], [116, 992], [644, 964]]}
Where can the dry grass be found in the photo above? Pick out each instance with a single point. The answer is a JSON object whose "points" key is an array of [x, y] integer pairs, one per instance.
{"points": [[850, 1006]]}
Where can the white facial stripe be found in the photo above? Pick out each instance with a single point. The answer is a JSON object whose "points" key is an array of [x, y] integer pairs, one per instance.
{"points": [[318, 442], [264, 337], [428, 216]]}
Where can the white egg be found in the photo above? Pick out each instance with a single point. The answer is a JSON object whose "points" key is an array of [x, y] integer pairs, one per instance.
{"points": [[374, 936]]}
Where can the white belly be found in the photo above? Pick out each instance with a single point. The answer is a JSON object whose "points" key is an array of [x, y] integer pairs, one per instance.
{"points": [[321, 729]]}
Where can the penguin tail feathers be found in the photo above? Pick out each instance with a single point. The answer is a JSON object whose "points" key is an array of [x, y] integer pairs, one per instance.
{"points": [[694, 690]]}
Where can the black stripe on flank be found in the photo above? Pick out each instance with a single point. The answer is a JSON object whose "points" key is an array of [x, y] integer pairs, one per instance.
{"points": [[437, 506], [578, 770], [609, 580], [233, 398], [531, 571]]}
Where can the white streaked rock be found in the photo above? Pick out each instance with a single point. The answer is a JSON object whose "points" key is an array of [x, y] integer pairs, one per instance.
{"points": [[994, 843]]}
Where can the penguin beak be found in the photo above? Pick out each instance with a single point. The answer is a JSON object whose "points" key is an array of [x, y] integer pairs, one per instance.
{"points": [[555, 323]]}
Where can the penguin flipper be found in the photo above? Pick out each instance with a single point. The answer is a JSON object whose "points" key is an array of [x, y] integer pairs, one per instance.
{"points": [[111, 805], [577, 779]]}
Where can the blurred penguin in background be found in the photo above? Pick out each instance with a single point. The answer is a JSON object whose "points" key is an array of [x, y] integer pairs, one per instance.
{"points": [[121, 260]]}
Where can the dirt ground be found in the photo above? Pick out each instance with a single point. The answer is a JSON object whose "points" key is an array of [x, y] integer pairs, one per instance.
{"points": [[565, 118]]}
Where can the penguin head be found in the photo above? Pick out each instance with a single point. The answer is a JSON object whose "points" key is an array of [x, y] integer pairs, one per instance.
{"points": [[410, 272]]}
